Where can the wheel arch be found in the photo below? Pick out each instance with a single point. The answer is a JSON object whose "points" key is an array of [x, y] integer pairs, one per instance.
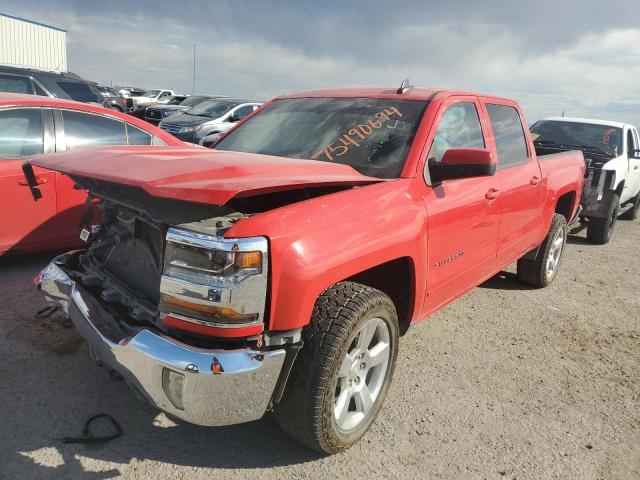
{"points": [[395, 278], [566, 205]]}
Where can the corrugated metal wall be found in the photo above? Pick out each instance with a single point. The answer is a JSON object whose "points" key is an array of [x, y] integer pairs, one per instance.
{"points": [[30, 44]]}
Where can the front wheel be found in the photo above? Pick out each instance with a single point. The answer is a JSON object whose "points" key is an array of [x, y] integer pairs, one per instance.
{"points": [[543, 269], [344, 369]]}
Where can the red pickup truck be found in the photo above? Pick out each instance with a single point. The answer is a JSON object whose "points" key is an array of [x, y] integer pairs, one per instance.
{"points": [[278, 271]]}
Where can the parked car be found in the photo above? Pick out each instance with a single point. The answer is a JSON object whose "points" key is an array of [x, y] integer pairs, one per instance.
{"points": [[130, 91], [279, 270], [151, 96], [611, 151], [32, 125], [140, 110], [214, 116], [155, 113], [49, 84], [113, 99]]}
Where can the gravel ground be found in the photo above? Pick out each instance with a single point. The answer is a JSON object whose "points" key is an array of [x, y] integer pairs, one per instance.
{"points": [[507, 382]]}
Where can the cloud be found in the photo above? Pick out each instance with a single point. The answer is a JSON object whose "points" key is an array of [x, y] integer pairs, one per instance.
{"points": [[581, 57]]}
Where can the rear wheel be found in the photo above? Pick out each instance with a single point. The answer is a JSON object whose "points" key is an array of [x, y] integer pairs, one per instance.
{"points": [[344, 369], [599, 230], [543, 269], [632, 213]]}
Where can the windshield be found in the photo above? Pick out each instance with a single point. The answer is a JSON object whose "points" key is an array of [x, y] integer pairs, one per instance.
{"points": [[557, 134], [371, 135], [190, 101], [213, 109], [152, 93]]}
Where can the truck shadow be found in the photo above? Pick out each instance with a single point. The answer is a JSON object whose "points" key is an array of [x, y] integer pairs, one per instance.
{"points": [[577, 240], [56, 389], [505, 281]]}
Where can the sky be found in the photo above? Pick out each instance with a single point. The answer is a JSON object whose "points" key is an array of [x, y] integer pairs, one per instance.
{"points": [[580, 57]]}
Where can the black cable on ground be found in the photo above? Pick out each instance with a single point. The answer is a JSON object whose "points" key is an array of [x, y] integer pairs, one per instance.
{"points": [[87, 437]]}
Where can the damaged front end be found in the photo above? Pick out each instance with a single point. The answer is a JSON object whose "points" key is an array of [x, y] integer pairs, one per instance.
{"points": [[599, 186], [176, 308]]}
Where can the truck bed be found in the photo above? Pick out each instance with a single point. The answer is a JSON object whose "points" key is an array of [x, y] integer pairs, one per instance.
{"points": [[560, 170]]}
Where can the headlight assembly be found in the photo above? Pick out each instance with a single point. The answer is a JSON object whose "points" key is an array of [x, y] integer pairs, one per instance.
{"points": [[191, 128], [214, 281], [213, 261]]}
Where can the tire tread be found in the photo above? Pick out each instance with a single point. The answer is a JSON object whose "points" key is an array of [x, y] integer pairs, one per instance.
{"points": [[532, 271], [300, 413]]}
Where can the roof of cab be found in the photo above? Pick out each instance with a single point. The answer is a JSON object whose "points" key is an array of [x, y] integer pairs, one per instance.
{"points": [[383, 92], [593, 121]]}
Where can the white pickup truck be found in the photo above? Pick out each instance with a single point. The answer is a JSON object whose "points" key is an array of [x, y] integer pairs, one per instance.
{"points": [[612, 154], [151, 96]]}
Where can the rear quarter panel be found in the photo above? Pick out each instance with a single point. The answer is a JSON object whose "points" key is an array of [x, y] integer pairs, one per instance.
{"points": [[561, 173]]}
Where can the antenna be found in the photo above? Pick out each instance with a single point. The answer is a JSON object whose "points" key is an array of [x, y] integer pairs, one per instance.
{"points": [[404, 87], [193, 94], [563, 113]]}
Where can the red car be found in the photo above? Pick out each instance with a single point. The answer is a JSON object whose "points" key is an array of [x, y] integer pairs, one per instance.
{"points": [[30, 125], [278, 271]]}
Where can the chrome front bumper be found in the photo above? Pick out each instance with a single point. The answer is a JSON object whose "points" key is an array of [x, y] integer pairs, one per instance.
{"points": [[173, 376]]}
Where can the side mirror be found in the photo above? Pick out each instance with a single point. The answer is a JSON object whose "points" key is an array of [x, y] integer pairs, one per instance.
{"points": [[232, 119], [634, 154], [463, 163]]}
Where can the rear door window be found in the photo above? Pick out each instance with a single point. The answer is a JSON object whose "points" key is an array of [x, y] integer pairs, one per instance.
{"points": [[85, 130], [79, 92], [14, 84], [509, 135], [137, 136], [21, 132]]}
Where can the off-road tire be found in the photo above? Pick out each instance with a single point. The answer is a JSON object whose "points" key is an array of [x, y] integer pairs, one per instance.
{"points": [[306, 411], [534, 271], [599, 230], [632, 213]]}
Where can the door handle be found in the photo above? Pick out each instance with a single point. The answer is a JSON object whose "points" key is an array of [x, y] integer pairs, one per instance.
{"points": [[39, 181], [535, 180], [636, 167], [492, 194]]}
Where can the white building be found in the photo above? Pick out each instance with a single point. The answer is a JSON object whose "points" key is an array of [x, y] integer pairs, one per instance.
{"points": [[25, 43]]}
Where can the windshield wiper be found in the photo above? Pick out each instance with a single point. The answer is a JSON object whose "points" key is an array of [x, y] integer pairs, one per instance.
{"points": [[549, 143], [561, 146], [592, 149]]}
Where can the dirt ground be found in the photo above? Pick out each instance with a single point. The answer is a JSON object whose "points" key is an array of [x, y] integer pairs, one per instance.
{"points": [[507, 382]]}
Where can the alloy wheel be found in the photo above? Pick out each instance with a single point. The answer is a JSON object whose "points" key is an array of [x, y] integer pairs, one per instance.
{"points": [[362, 374]]}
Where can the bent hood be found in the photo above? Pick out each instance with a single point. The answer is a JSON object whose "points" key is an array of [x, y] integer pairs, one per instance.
{"points": [[199, 175]]}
